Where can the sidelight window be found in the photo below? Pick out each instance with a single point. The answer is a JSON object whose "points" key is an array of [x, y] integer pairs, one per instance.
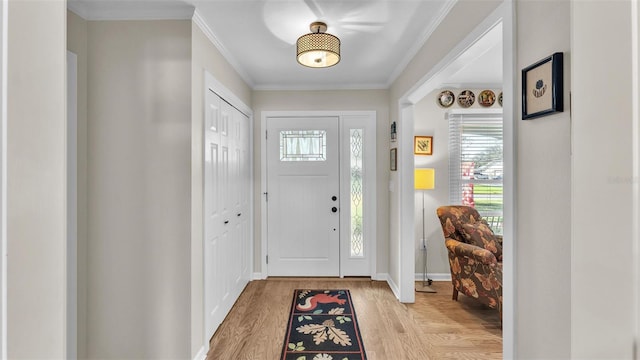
{"points": [[356, 192]]}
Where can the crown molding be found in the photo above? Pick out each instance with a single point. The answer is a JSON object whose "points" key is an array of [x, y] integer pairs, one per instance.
{"points": [[471, 86], [78, 8], [402, 65], [202, 24], [319, 87], [130, 10]]}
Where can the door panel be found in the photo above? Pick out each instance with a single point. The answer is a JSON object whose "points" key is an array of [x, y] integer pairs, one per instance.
{"points": [[298, 203], [302, 178]]}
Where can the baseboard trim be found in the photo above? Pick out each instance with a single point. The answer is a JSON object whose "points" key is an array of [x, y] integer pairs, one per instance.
{"points": [[201, 355], [434, 276], [394, 287], [259, 276]]}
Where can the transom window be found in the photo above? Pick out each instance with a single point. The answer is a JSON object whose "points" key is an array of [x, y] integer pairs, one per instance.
{"points": [[303, 145]]}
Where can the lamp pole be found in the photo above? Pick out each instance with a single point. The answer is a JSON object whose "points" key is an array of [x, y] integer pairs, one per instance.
{"points": [[425, 280]]}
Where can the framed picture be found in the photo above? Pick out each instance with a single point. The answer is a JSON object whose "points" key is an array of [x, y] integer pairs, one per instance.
{"points": [[423, 145], [542, 87], [394, 159], [393, 131]]}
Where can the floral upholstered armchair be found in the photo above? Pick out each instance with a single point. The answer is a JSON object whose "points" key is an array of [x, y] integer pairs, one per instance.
{"points": [[475, 255]]}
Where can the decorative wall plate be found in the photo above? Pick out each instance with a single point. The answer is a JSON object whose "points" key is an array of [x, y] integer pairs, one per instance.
{"points": [[466, 98], [446, 98], [486, 98], [500, 98]]}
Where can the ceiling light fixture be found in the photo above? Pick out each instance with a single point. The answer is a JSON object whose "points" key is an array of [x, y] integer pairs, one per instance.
{"points": [[318, 49]]}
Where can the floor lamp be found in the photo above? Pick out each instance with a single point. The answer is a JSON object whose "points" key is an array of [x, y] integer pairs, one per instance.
{"points": [[425, 179]]}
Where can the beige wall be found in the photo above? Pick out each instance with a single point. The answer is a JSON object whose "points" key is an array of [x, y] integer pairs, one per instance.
{"points": [[204, 56], [602, 321], [77, 43], [461, 20], [376, 100], [430, 120], [36, 179], [138, 136], [543, 197]]}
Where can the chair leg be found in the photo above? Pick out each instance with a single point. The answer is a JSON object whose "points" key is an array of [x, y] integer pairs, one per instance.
{"points": [[455, 294]]}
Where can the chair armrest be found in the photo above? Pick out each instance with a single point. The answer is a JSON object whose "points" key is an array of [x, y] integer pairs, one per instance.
{"points": [[477, 253], [499, 239]]}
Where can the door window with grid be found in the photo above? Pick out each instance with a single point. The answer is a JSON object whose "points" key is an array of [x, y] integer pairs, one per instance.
{"points": [[476, 164]]}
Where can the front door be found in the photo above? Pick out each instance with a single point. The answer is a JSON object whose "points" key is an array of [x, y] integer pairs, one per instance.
{"points": [[302, 199]]}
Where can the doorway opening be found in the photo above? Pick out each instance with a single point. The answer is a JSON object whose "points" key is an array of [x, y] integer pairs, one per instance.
{"points": [[435, 79]]}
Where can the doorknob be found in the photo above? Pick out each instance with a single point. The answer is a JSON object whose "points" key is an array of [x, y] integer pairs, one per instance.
{"points": [[334, 209], [334, 198]]}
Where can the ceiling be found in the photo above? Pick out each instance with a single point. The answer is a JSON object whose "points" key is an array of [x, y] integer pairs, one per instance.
{"points": [[258, 37]]}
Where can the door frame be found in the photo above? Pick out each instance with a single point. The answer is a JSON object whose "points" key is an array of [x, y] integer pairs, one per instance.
{"points": [[504, 13], [72, 206], [263, 182], [635, 106], [4, 16]]}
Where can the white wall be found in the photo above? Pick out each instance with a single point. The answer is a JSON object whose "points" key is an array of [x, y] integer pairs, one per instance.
{"points": [[543, 195], [430, 120], [36, 179], [77, 43], [204, 56], [355, 100], [602, 288], [139, 173]]}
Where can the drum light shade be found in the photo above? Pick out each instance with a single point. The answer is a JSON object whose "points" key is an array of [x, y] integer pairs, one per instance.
{"points": [[318, 49]]}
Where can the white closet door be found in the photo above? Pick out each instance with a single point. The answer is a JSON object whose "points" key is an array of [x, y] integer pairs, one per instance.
{"points": [[226, 213]]}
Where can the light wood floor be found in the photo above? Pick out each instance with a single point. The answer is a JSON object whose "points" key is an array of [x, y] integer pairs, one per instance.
{"points": [[435, 327]]}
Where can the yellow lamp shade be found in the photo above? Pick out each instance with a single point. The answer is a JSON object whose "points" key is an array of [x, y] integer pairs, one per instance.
{"points": [[425, 179]]}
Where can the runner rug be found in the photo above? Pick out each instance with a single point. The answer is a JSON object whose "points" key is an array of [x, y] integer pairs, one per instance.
{"points": [[322, 326]]}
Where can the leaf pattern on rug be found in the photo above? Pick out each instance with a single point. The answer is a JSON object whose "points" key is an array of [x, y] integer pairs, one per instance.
{"points": [[323, 357], [297, 346], [326, 330]]}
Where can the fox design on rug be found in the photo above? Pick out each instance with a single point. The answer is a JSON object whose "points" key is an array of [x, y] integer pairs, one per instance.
{"points": [[312, 302]]}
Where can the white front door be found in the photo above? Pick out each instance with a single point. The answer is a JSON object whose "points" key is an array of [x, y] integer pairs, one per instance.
{"points": [[303, 196]]}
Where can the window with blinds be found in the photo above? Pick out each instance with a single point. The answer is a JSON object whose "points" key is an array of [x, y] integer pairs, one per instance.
{"points": [[475, 164]]}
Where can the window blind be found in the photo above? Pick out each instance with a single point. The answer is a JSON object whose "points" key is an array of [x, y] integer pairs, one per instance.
{"points": [[476, 162]]}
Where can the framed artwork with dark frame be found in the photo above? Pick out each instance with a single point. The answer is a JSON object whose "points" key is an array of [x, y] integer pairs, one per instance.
{"points": [[542, 87], [393, 132], [423, 145], [394, 159]]}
